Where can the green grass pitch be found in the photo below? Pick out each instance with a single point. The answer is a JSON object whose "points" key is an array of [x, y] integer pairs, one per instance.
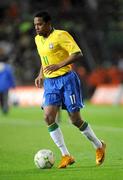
{"points": [[23, 132]]}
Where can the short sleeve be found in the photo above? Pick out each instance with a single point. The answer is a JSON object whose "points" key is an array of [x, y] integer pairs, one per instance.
{"points": [[67, 42]]}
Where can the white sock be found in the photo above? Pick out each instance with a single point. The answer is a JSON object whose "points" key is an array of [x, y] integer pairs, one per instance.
{"points": [[58, 139], [89, 133]]}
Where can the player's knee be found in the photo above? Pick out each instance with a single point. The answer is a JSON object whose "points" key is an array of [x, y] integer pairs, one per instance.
{"points": [[49, 119], [76, 119], [77, 122]]}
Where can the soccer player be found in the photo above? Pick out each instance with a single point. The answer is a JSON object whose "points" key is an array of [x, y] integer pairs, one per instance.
{"points": [[7, 81], [58, 50]]}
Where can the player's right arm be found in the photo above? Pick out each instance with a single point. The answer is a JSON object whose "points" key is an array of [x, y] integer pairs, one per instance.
{"points": [[39, 79]]}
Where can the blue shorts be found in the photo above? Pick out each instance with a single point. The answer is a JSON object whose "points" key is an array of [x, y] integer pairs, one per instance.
{"points": [[63, 91]]}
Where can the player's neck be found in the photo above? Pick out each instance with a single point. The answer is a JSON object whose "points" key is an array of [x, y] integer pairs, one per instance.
{"points": [[49, 32]]}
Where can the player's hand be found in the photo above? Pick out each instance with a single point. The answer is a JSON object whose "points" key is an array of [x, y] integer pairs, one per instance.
{"points": [[39, 82], [51, 68]]}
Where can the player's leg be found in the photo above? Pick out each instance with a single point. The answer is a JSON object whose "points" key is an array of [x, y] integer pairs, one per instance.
{"points": [[85, 128], [53, 128], [87, 131], [0, 99], [50, 113], [4, 102], [58, 116], [51, 103], [73, 102]]}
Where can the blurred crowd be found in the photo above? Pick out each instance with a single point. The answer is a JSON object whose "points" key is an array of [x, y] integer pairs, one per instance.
{"points": [[96, 25]]}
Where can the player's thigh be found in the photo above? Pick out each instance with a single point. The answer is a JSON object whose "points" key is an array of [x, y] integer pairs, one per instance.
{"points": [[52, 93], [50, 113], [72, 94]]}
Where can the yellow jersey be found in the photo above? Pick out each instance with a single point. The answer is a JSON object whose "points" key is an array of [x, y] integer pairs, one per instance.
{"points": [[57, 47]]}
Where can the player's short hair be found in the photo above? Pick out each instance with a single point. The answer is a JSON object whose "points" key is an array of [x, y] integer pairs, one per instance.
{"points": [[44, 15]]}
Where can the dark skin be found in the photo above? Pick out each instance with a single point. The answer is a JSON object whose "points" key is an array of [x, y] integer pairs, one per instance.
{"points": [[44, 29]]}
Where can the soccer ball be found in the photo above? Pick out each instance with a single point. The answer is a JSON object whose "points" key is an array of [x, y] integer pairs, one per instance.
{"points": [[44, 159]]}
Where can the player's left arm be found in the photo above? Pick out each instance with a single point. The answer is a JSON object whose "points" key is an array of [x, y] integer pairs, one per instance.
{"points": [[71, 59]]}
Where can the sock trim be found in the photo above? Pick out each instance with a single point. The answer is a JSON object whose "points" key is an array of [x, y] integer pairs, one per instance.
{"points": [[52, 127], [83, 126]]}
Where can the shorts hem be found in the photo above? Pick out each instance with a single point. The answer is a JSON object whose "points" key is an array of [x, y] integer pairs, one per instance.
{"points": [[50, 105]]}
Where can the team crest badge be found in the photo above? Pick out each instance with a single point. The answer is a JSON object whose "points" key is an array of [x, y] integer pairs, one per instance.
{"points": [[51, 46]]}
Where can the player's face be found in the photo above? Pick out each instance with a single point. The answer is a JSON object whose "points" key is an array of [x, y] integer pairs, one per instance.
{"points": [[41, 27]]}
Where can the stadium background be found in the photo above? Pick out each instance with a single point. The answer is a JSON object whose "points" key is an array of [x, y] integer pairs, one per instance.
{"points": [[96, 25]]}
